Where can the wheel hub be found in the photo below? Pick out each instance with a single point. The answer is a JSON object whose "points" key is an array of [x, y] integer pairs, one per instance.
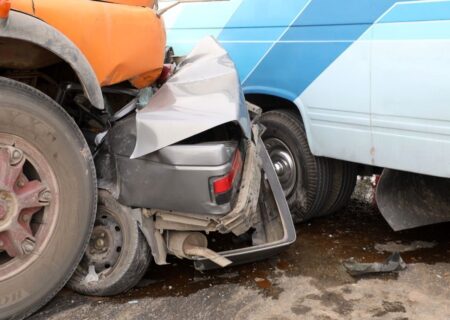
{"points": [[20, 199], [105, 243], [2, 212], [8, 205], [283, 162]]}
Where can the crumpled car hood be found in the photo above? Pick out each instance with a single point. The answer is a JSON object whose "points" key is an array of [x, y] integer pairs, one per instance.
{"points": [[204, 93]]}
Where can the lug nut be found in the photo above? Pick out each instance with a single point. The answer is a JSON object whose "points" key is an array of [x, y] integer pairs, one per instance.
{"points": [[28, 246], [45, 196], [16, 157]]}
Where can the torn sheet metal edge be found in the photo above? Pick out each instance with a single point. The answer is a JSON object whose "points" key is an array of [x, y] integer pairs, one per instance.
{"points": [[204, 93], [392, 264]]}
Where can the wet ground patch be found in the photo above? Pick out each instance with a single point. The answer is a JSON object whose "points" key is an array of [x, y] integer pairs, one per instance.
{"points": [[358, 231]]}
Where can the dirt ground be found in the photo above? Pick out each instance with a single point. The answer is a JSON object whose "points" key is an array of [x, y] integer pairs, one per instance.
{"points": [[307, 281]]}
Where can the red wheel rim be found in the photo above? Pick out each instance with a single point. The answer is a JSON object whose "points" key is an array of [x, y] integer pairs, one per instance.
{"points": [[29, 204]]}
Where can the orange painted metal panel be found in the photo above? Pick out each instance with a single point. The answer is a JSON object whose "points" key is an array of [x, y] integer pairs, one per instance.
{"points": [[5, 5], [142, 3], [121, 42]]}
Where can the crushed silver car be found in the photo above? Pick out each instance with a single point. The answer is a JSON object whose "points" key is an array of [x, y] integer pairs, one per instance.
{"points": [[188, 164]]}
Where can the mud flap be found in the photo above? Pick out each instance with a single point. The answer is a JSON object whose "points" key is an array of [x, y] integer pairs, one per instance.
{"points": [[407, 200]]}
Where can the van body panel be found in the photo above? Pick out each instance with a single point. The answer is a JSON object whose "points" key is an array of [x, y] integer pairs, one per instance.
{"points": [[370, 78]]}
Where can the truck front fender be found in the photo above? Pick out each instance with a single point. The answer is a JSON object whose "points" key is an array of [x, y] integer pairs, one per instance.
{"points": [[24, 27]]}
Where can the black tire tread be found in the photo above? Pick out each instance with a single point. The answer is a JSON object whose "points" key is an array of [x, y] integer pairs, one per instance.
{"points": [[61, 113], [343, 184], [318, 169]]}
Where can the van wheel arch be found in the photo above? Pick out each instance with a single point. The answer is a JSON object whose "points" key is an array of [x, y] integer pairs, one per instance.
{"points": [[271, 102]]}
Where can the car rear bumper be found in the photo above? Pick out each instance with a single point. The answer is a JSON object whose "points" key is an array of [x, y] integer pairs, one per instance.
{"points": [[277, 224]]}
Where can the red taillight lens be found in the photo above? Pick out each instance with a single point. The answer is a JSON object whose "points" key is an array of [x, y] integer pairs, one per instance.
{"points": [[166, 73], [225, 184], [5, 6]]}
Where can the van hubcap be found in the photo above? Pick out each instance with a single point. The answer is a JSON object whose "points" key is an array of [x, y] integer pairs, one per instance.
{"points": [[283, 162]]}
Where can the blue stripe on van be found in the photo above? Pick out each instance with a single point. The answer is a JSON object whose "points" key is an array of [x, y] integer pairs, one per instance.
{"points": [[246, 55], [418, 11], [307, 60], [423, 30], [255, 21], [325, 33], [206, 15], [334, 12], [262, 14], [267, 34]]}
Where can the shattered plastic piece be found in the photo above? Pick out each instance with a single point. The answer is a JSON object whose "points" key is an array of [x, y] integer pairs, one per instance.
{"points": [[92, 276], [204, 93], [392, 264], [392, 246], [230, 275], [200, 279]]}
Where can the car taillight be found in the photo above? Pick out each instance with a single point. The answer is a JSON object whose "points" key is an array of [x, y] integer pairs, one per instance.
{"points": [[166, 73], [223, 186]]}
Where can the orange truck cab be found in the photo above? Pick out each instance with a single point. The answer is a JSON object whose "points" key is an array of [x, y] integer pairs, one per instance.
{"points": [[122, 39]]}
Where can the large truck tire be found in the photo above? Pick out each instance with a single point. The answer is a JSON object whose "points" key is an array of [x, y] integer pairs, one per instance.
{"points": [[306, 179], [118, 254], [343, 184], [48, 198]]}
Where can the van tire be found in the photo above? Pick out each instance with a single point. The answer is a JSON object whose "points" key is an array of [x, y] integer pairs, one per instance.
{"points": [[29, 117], [343, 184], [313, 180]]}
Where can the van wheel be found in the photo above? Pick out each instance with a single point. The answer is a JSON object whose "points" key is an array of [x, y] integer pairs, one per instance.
{"points": [[343, 184], [306, 179], [117, 256], [48, 198]]}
